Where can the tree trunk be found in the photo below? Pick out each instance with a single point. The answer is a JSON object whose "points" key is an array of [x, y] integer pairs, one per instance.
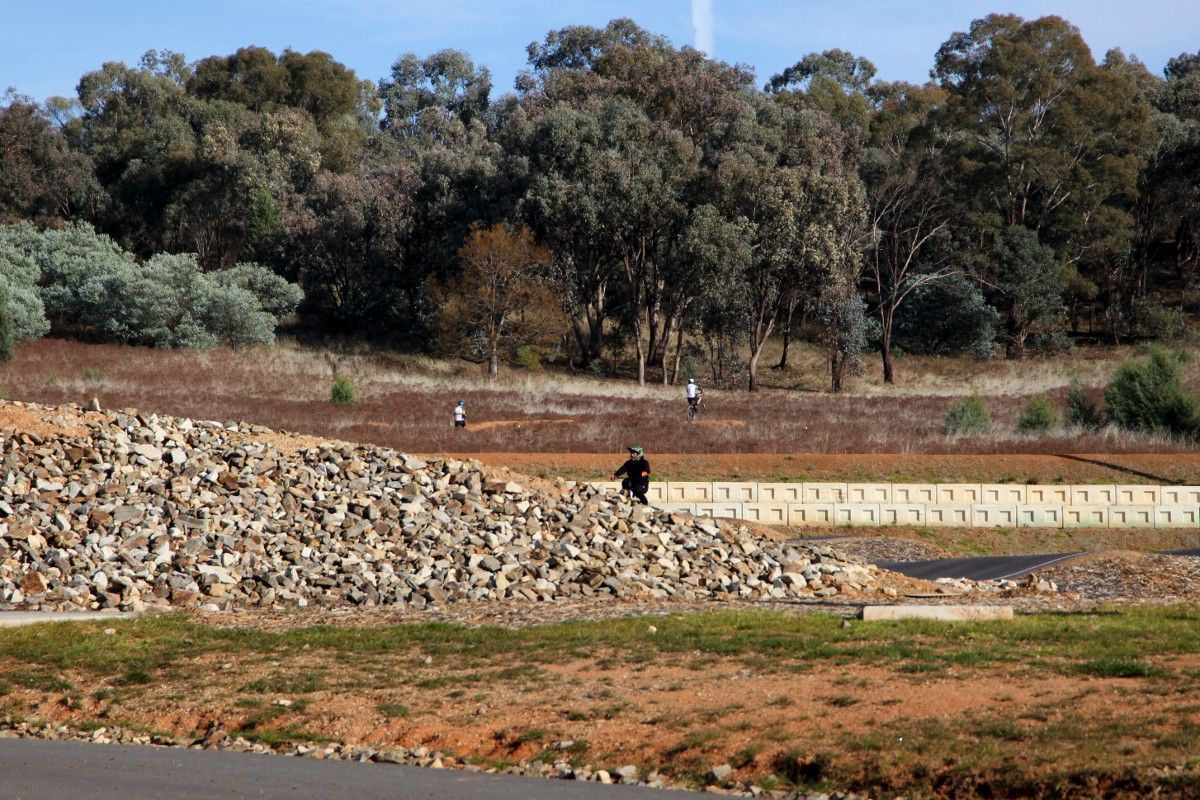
{"points": [[678, 355], [1014, 349], [753, 384], [885, 346], [837, 371], [886, 318], [787, 337]]}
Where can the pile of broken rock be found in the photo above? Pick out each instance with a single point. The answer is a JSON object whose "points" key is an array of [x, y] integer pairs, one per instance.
{"points": [[126, 510]]}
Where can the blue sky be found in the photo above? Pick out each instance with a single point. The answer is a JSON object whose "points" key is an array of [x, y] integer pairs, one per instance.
{"points": [[45, 46]]}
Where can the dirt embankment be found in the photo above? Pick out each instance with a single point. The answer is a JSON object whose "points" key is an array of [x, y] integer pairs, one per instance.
{"points": [[1123, 468]]}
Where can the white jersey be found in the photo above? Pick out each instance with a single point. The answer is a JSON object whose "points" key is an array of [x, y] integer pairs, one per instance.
{"points": [[460, 413], [693, 391]]}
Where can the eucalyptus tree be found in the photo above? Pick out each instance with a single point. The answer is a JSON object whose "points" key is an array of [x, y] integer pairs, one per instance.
{"points": [[1046, 139], [41, 177], [910, 205]]}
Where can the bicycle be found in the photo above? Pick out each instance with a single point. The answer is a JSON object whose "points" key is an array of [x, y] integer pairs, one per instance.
{"points": [[695, 408]]}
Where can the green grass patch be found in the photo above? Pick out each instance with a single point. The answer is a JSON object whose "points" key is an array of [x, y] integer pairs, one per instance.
{"points": [[1119, 668], [394, 710], [285, 684], [1103, 643]]}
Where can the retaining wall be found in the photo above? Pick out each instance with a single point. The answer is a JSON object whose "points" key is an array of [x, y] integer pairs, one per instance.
{"points": [[986, 505]]}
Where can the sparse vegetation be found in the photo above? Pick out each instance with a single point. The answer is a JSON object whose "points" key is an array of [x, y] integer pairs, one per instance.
{"points": [[1038, 416], [342, 393], [1081, 410], [967, 417]]}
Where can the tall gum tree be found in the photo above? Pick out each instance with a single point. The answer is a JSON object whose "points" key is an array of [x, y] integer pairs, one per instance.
{"points": [[1044, 138]]}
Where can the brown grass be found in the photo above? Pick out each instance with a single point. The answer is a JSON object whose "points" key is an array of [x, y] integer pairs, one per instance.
{"points": [[406, 403]]}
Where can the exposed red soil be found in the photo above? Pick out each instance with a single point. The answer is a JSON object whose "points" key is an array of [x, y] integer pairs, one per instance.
{"points": [[1124, 468]]}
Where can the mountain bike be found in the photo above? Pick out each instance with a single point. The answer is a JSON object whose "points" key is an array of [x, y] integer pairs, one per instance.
{"points": [[694, 409]]}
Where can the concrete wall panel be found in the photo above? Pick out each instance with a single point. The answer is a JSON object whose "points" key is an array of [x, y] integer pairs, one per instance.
{"points": [[719, 510], [868, 493], [1138, 496], [945, 515], [1179, 495], [994, 516], [856, 514], [1093, 495], [781, 493], [824, 493], [1131, 517], [957, 494], [657, 493], [810, 514], [1085, 517], [689, 492], [766, 513], [902, 514], [725, 492], [1039, 516], [689, 508], [1002, 494], [1048, 495], [1177, 516], [904, 493]]}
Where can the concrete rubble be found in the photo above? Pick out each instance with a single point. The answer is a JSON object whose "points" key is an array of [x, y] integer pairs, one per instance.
{"points": [[146, 511]]}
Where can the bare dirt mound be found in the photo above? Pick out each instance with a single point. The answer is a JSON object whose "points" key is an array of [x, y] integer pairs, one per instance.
{"points": [[491, 424]]}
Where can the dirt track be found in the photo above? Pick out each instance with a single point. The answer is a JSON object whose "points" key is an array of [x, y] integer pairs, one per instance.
{"points": [[1183, 468]]}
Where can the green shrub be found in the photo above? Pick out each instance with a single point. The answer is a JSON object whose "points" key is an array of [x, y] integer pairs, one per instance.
{"points": [[528, 358], [1081, 410], [6, 326], [93, 374], [946, 318], [1038, 417], [1145, 394], [342, 392], [967, 418]]}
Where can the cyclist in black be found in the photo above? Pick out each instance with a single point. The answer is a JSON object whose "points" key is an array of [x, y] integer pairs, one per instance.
{"points": [[637, 474]]}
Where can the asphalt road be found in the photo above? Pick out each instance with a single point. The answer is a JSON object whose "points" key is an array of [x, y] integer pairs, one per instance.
{"points": [[32, 769], [980, 568], [986, 568]]}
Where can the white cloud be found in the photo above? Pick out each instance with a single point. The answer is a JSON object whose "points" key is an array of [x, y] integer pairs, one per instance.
{"points": [[702, 23]]}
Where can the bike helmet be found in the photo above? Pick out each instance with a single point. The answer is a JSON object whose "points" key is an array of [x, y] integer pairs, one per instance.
{"points": [[637, 450], [462, 402], [691, 380]]}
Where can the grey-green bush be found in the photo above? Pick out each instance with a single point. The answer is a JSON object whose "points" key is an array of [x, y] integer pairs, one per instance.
{"points": [[277, 296], [92, 287], [1145, 394], [968, 417], [1038, 416], [342, 392], [19, 275], [1080, 409]]}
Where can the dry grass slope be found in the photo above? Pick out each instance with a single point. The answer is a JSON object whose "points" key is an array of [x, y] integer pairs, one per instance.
{"points": [[405, 402]]}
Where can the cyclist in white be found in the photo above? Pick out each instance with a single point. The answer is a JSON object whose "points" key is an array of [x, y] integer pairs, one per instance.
{"points": [[694, 393], [460, 414]]}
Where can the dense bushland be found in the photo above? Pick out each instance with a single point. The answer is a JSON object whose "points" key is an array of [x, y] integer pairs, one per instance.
{"points": [[682, 216]]}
